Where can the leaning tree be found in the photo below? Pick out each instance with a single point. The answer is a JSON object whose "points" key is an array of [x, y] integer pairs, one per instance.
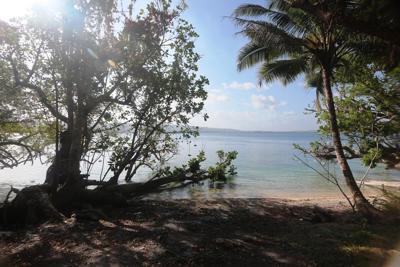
{"points": [[288, 42], [373, 137], [108, 79]]}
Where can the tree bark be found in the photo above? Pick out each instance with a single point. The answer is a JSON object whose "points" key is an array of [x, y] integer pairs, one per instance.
{"points": [[361, 203], [57, 173]]}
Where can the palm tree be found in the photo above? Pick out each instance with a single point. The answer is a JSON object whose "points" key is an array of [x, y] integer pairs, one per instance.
{"points": [[286, 42]]}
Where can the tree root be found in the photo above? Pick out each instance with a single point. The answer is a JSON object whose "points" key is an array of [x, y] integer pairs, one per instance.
{"points": [[35, 204], [31, 206]]}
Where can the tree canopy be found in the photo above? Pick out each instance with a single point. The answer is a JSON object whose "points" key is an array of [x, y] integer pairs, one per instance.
{"points": [[98, 69]]}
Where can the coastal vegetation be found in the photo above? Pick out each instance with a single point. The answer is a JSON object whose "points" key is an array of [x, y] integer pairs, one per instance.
{"points": [[372, 137], [94, 79], [287, 42], [89, 83]]}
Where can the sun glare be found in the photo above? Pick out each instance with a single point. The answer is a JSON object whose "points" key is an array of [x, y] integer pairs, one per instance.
{"points": [[16, 8]]}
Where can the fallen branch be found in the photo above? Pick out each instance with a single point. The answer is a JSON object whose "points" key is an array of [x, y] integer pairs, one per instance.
{"points": [[36, 204]]}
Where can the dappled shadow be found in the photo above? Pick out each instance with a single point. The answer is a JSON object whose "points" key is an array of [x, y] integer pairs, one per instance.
{"points": [[224, 232]]}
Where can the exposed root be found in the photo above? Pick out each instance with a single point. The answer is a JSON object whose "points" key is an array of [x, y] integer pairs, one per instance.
{"points": [[31, 205]]}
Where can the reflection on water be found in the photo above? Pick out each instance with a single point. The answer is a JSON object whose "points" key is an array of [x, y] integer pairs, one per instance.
{"points": [[205, 189], [265, 166]]}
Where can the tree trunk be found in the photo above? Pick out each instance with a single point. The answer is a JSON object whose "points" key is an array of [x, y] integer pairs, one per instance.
{"points": [[74, 157], [361, 203]]}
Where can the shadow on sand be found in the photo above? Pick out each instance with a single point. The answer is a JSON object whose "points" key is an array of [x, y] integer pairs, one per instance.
{"points": [[223, 232]]}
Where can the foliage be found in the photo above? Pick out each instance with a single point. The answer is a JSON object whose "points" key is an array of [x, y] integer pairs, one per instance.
{"points": [[377, 20], [99, 70], [390, 200], [22, 135], [193, 166], [221, 171], [368, 113], [194, 163], [224, 168]]}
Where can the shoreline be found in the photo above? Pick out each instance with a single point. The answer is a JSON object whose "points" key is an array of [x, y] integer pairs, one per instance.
{"points": [[371, 190]]}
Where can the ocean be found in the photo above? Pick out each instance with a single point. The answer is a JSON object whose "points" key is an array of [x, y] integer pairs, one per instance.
{"points": [[265, 164]]}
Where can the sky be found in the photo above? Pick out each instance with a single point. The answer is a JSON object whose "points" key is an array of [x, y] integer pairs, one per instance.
{"points": [[235, 100]]}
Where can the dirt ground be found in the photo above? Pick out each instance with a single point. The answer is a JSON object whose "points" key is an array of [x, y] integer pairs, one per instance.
{"points": [[221, 232]]}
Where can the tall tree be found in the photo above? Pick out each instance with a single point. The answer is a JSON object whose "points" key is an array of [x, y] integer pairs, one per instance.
{"points": [[288, 42], [115, 79]]}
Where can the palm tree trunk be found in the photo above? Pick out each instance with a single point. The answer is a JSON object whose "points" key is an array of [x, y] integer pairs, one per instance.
{"points": [[361, 203]]}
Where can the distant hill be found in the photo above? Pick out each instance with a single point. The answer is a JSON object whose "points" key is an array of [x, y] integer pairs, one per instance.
{"points": [[172, 128], [222, 130]]}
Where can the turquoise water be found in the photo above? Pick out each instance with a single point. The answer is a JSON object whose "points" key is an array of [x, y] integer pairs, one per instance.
{"points": [[265, 165]]}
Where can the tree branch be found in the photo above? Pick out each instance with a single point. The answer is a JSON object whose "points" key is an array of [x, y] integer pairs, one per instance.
{"points": [[44, 100]]}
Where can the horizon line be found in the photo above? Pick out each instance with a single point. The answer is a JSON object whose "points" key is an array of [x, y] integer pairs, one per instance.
{"points": [[265, 131]]}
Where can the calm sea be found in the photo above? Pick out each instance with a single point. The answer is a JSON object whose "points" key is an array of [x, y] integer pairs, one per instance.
{"points": [[265, 164]]}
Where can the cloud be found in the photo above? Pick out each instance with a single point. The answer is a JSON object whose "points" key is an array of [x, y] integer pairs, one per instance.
{"points": [[240, 86], [289, 113], [245, 86], [213, 90], [267, 102], [212, 97], [256, 120]]}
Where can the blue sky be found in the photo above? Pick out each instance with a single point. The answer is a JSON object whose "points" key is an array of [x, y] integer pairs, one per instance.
{"points": [[234, 100]]}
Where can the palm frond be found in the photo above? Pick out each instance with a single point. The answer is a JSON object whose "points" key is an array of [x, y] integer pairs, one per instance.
{"points": [[249, 10], [264, 32], [304, 23], [283, 5], [281, 19], [285, 22], [285, 70], [254, 53], [314, 80]]}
